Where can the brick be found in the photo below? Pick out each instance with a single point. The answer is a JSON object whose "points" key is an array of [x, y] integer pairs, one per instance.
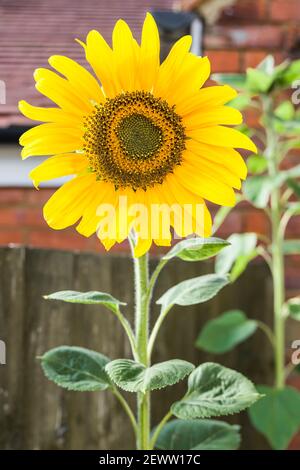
{"points": [[255, 221], [11, 195], [39, 197], [12, 236], [245, 10], [68, 239], [253, 58], [250, 36], [285, 10], [224, 61]]}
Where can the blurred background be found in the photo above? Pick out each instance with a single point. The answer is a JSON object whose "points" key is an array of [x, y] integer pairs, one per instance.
{"points": [[235, 35]]}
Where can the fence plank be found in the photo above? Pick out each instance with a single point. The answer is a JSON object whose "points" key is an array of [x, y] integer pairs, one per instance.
{"points": [[37, 414]]}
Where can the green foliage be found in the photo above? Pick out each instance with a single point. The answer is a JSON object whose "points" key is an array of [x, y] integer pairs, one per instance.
{"points": [[196, 249], [226, 331], [200, 434], [235, 258], [214, 390], [257, 164], [292, 307], [75, 368], [291, 247], [277, 415], [93, 297], [275, 189], [193, 291], [135, 377]]}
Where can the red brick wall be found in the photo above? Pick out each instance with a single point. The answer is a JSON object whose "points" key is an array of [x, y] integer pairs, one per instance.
{"points": [[249, 30], [245, 33]]}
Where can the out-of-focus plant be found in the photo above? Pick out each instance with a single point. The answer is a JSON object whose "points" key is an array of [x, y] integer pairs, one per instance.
{"points": [[274, 187]]}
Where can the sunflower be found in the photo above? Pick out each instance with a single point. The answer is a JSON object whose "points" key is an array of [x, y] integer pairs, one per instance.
{"points": [[138, 130]]}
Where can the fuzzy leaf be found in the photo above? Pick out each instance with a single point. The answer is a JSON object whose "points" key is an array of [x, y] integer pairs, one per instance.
{"points": [[75, 368], [200, 434], [135, 377], [92, 298], [214, 390], [193, 291], [196, 249]]}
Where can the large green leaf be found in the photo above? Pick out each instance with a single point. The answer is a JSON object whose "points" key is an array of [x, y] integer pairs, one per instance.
{"points": [[196, 249], [235, 258], [291, 247], [214, 390], [93, 297], [285, 110], [226, 331], [193, 291], [277, 415], [258, 81], [76, 368], [257, 189], [200, 434], [236, 80], [257, 164], [135, 377]]}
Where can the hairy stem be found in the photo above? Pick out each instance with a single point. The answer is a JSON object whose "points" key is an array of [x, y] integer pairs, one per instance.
{"points": [[141, 275], [277, 246]]}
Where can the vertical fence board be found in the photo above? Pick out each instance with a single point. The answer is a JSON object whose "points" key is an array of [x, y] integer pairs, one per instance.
{"points": [[36, 414]]}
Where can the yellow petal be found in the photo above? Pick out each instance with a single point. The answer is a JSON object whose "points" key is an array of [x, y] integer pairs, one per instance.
{"points": [[224, 156], [101, 58], [102, 193], [56, 115], [206, 186], [61, 92], [58, 166], [191, 203], [224, 136], [209, 96], [197, 164], [142, 246], [48, 139], [49, 146], [125, 50], [149, 54], [68, 203], [79, 77], [49, 129], [205, 117], [192, 74], [171, 65]]}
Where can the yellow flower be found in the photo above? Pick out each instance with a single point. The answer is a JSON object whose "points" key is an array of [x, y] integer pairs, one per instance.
{"points": [[138, 131]]}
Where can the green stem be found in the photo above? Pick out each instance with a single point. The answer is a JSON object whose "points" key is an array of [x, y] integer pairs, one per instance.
{"points": [[128, 330], [268, 332], [126, 408], [159, 428], [156, 329], [277, 246], [141, 271]]}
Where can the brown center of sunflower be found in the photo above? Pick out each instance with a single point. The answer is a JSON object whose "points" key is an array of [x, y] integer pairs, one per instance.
{"points": [[134, 140]]}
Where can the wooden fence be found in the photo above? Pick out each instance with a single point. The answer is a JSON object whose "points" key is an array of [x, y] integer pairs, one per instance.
{"points": [[36, 414]]}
